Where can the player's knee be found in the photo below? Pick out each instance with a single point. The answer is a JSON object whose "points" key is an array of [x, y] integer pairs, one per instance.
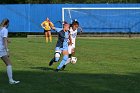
{"points": [[57, 56], [65, 57]]}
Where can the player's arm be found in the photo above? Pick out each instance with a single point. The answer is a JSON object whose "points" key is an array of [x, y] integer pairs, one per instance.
{"points": [[61, 36], [5, 38], [8, 40], [80, 29], [42, 24], [52, 25], [6, 43]]}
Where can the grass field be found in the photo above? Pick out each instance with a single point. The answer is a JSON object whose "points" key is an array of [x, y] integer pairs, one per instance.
{"points": [[104, 66]]}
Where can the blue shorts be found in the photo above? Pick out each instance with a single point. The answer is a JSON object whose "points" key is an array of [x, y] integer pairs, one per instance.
{"points": [[58, 49]]}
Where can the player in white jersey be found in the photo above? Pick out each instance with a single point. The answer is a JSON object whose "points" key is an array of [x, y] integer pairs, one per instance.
{"points": [[73, 35], [4, 55]]}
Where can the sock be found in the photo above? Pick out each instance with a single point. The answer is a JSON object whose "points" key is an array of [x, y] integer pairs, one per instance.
{"points": [[68, 61], [53, 60], [50, 38], [65, 57], [9, 72], [70, 55], [56, 59]]}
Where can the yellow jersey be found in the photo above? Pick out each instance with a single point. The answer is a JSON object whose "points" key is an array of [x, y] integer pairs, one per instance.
{"points": [[47, 25]]}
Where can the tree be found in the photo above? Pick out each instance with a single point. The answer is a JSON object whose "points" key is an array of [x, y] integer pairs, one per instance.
{"points": [[65, 1]]}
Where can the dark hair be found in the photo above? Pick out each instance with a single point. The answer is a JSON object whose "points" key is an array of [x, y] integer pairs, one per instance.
{"points": [[4, 22], [75, 23], [64, 23]]}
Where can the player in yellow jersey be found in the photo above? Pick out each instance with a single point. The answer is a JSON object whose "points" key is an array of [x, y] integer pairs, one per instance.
{"points": [[48, 25]]}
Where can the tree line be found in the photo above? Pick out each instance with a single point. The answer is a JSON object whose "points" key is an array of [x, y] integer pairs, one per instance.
{"points": [[65, 1]]}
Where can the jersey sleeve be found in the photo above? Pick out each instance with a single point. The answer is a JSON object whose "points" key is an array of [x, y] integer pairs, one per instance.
{"points": [[61, 36], [5, 33], [42, 23]]}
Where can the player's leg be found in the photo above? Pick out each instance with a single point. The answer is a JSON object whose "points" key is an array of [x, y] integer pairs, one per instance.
{"points": [[70, 48], [69, 57], [65, 58], [55, 59], [67, 62], [7, 61], [50, 36], [57, 55], [46, 36], [73, 51]]}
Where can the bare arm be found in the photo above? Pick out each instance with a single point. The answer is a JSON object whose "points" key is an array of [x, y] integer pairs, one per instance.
{"points": [[80, 28], [42, 24], [6, 43], [52, 25]]}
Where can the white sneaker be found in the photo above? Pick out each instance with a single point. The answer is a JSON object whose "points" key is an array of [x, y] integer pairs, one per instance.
{"points": [[13, 82]]}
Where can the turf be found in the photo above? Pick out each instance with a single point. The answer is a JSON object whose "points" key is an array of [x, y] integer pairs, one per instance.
{"points": [[103, 66]]}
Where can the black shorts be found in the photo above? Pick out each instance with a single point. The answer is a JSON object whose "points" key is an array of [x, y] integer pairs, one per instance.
{"points": [[46, 30]]}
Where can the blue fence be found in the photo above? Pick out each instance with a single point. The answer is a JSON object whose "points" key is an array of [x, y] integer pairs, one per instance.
{"points": [[28, 17]]}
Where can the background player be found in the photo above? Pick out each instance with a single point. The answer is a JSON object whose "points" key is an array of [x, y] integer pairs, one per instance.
{"points": [[47, 25], [4, 49]]}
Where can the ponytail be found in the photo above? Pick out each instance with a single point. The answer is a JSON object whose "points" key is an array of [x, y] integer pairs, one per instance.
{"points": [[4, 23]]}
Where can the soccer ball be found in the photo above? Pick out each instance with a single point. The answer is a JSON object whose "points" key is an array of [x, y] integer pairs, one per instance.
{"points": [[73, 60], [57, 54]]}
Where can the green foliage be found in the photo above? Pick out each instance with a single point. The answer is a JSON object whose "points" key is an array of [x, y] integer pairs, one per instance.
{"points": [[65, 1]]}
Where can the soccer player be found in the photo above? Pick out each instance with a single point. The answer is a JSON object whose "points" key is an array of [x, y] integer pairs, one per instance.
{"points": [[73, 33], [61, 46], [47, 25], [4, 49]]}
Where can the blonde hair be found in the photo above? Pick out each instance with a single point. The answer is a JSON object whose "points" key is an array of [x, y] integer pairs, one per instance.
{"points": [[4, 23]]}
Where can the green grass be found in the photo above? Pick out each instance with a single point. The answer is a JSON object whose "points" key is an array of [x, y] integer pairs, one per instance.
{"points": [[104, 66]]}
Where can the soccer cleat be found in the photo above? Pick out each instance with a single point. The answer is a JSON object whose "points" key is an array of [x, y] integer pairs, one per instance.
{"points": [[14, 82], [64, 66], [51, 62], [57, 70]]}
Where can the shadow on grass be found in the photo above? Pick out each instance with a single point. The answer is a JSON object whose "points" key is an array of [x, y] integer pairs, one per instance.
{"points": [[43, 68], [46, 69], [62, 82]]}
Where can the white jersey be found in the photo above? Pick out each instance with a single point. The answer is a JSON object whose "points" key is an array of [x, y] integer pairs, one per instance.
{"points": [[3, 33], [73, 35]]}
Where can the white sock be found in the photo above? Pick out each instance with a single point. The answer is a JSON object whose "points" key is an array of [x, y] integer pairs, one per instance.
{"points": [[9, 72], [68, 61]]}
